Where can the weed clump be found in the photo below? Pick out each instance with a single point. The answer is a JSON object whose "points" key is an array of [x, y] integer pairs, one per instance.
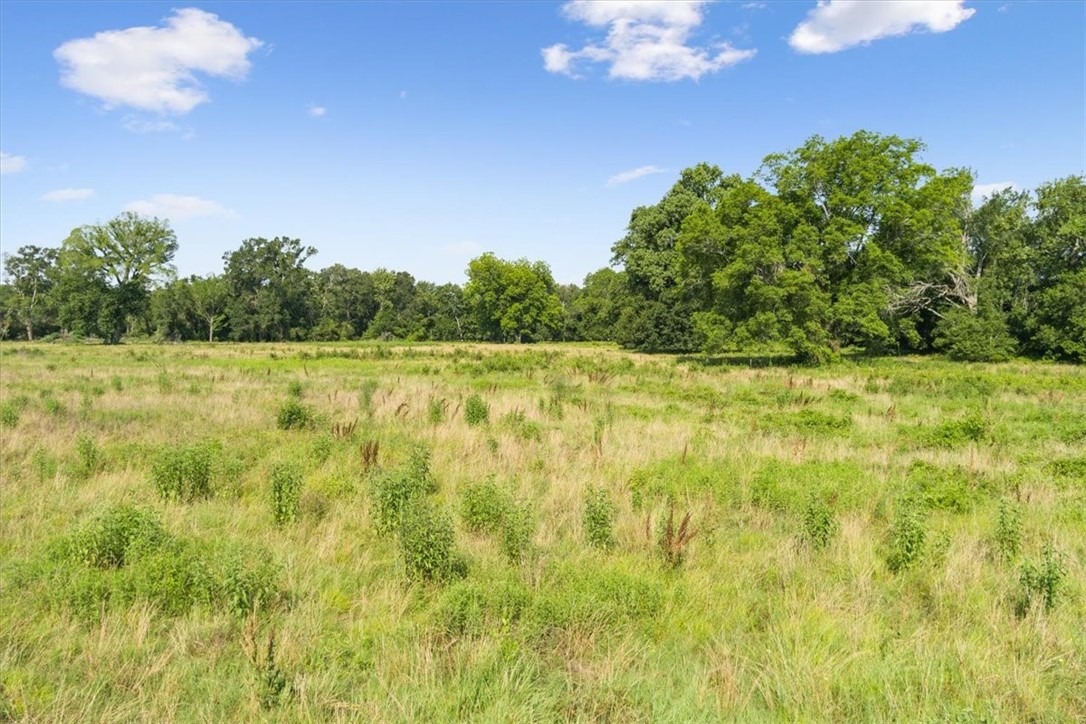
{"points": [[1041, 581], [598, 518], [517, 531], [428, 543], [114, 537], [819, 525], [973, 427], [393, 491], [483, 507], [476, 412], [9, 414], [183, 472], [1008, 532], [89, 456], [286, 480], [294, 415], [674, 541], [908, 533]]}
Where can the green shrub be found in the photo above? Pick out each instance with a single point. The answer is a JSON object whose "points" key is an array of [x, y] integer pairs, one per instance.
{"points": [[974, 337], [90, 456], [476, 412], [393, 491], [907, 535], [483, 507], [322, 448], [478, 607], [598, 518], [428, 544], [293, 415], [52, 406], [295, 389], [183, 472], [286, 491], [1008, 532], [517, 424], [973, 427], [116, 536], [940, 488], [594, 595], [819, 524], [45, 464], [1042, 580], [518, 529], [435, 411], [116, 383], [9, 414]]}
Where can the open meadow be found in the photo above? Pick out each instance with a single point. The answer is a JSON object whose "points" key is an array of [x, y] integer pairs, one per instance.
{"points": [[473, 532]]}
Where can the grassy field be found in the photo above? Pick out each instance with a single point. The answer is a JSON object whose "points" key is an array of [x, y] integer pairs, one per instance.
{"points": [[483, 533]]}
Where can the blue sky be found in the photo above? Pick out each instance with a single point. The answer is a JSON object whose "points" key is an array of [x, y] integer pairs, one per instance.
{"points": [[417, 135]]}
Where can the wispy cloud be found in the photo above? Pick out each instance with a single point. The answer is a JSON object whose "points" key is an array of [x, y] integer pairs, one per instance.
{"points": [[178, 208], [403, 94], [461, 248], [155, 68], [754, 6], [137, 124], [983, 191], [835, 25], [11, 164], [633, 174], [68, 195], [646, 40], [316, 111]]}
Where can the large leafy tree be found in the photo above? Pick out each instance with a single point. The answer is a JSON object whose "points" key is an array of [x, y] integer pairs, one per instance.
{"points": [[347, 303], [513, 301], [658, 316], [845, 242], [270, 291], [111, 268], [31, 274], [1057, 322]]}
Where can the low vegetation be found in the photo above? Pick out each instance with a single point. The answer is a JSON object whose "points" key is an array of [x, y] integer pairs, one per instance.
{"points": [[386, 532]]}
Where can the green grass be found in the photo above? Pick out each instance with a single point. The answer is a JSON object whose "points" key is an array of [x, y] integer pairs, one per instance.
{"points": [[879, 540]]}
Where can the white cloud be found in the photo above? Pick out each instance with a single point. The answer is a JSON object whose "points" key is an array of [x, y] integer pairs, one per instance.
{"points": [[461, 248], [11, 164], [754, 6], [839, 24], [178, 208], [136, 124], [983, 191], [317, 111], [68, 195], [154, 68], [646, 40], [633, 174]]}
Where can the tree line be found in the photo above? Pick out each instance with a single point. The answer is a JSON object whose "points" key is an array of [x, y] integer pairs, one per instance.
{"points": [[852, 243]]}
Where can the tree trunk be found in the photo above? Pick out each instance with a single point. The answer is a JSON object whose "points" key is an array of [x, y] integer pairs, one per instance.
{"points": [[211, 330], [29, 332]]}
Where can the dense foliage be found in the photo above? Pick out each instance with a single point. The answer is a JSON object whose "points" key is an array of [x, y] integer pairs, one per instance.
{"points": [[850, 243]]}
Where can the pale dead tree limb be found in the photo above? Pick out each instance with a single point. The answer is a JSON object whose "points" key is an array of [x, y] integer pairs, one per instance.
{"points": [[956, 291]]}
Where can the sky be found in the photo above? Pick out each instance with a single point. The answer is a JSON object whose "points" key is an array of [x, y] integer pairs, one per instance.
{"points": [[417, 135]]}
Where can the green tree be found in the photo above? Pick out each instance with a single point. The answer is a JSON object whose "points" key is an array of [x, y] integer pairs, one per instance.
{"points": [[117, 261], [31, 274], [848, 242], [269, 289], [596, 309], [1057, 322], [513, 300], [658, 317], [210, 295]]}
